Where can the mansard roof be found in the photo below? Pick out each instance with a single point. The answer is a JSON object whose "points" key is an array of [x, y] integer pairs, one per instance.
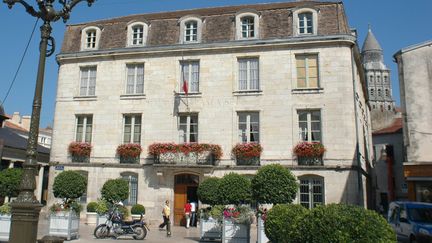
{"points": [[218, 24], [371, 43]]}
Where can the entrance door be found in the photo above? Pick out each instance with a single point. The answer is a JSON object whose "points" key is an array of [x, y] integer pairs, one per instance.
{"points": [[185, 189]]}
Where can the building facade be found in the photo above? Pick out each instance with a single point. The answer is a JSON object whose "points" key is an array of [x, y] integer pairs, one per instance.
{"points": [[273, 74], [414, 68]]}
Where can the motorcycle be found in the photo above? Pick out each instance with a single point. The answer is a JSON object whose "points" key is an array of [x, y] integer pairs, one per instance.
{"points": [[115, 226]]}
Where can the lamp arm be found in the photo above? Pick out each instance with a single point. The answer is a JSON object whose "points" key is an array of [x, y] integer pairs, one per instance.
{"points": [[29, 9], [69, 5]]}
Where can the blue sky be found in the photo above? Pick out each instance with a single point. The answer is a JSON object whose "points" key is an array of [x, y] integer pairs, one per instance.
{"points": [[395, 23]]}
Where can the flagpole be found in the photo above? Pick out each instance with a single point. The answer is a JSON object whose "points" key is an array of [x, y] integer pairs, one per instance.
{"points": [[185, 84]]}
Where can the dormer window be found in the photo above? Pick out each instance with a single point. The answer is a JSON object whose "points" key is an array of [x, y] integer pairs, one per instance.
{"points": [[137, 34], [305, 22], [90, 38], [190, 29], [247, 25]]}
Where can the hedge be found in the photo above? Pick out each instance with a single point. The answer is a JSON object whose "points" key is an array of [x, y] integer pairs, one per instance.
{"points": [[282, 222]]}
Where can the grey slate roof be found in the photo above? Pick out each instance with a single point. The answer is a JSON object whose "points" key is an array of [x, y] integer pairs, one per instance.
{"points": [[371, 43], [13, 140]]}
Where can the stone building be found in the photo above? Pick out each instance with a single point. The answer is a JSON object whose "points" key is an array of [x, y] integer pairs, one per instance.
{"points": [[415, 76], [274, 74]]}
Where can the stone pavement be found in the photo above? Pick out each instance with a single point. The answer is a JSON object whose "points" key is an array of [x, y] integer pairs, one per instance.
{"points": [[179, 234]]}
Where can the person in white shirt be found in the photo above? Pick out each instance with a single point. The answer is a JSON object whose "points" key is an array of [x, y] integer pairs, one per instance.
{"points": [[193, 213]]}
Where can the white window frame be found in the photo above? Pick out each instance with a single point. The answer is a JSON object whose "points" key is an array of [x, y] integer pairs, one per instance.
{"points": [[309, 125], [193, 85], [133, 125], [311, 180], [248, 123], [95, 34], [187, 19], [133, 188], [184, 137], [136, 81], [248, 70], [305, 57], [239, 25], [131, 39], [86, 81], [296, 21], [85, 127]]}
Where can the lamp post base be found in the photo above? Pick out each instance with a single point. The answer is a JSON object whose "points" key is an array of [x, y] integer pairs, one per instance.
{"points": [[25, 217]]}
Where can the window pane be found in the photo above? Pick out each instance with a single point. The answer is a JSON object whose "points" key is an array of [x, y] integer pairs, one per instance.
{"points": [[242, 75], [254, 74], [242, 117], [130, 79], [140, 79], [195, 77]]}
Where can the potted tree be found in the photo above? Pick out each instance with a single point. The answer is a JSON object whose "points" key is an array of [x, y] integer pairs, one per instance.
{"points": [[247, 153], [208, 193], [272, 184], [9, 187], [309, 153], [80, 151], [101, 211], [235, 191], [64, 217], [91, 214], [137, 210], [129, 152]]}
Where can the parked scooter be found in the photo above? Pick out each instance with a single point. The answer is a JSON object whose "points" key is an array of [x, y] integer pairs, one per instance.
{"points": [[115, 226]]}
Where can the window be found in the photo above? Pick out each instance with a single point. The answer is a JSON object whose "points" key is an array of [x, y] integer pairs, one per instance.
{"points": [[90, 38], [387, 93], [307, 71], [132, 180], [190, 75], [311, 191], [137, 34], [191, 31], [370, 79], [385, 79], [310, 125], [248, 127], [188, 128], [132, 129], [83, 198], [83, 131], [372, 93], [305, 23], [88, 81], [248, 74], [379, 93], [135, 79], [247, 25]]}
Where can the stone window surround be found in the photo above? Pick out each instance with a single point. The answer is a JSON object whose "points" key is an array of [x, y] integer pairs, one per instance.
{"points": [[182, 21], [296, 21], [247, 13], [130, 33], [84, 37]]}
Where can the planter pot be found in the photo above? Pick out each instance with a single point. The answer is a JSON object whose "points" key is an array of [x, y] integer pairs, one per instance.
{"points": [[101, 219], [309, 160], [64, 224], [210, 229], [5, 223], [235, 233], [136, 216], [262, 237], [91, 218]]}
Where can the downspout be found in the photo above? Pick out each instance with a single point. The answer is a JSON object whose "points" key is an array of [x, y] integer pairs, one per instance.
{"points": [[357, 149]]}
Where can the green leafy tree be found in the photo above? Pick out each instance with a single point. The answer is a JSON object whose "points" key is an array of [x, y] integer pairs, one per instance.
{"points": [[69, 185], [10, 180], [115, 190], [234, 189], [282, 222], [274, 184], [208, 191]]}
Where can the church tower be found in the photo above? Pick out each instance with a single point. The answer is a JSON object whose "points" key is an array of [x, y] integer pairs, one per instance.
{"points": [[378, 83]]}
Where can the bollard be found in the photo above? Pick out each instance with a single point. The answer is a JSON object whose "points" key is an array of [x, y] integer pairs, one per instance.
{"points": [[51, 239]]}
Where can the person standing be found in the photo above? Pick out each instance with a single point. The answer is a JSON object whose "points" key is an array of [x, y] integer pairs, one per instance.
{"points": [[166, 211], [193, 213], [187, 212]]}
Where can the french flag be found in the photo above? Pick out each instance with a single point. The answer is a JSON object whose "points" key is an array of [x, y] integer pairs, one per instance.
{"points": [[185, 86]]}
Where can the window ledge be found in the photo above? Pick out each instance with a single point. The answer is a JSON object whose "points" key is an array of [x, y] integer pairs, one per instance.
{"points": [[132, 96], [189, 95], [89, 98], [247, 92], [308, 91]]}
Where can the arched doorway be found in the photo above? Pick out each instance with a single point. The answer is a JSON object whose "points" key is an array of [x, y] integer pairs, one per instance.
{"points": [[185, 188]]}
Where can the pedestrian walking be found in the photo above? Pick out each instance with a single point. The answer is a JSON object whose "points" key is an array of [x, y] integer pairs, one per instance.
{"points": [[193, 213], [187, 213], [166, 211]]}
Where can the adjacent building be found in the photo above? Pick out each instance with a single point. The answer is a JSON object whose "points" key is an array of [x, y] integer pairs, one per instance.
{"points": [[274, 74], [415, 77]]}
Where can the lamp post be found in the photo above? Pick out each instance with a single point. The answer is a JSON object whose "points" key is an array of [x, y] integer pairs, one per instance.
{"points": [[26, 208]]}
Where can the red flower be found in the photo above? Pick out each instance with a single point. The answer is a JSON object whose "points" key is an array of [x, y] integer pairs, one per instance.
{"points": [[157, 149], [131, 150], [306, 149], [80, 149], [247, 150]]}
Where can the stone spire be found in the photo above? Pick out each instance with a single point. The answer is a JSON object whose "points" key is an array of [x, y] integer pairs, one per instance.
{"points": [[372, 52], [371, 43]]}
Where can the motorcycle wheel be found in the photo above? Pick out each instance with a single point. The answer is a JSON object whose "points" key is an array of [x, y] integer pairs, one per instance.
{"points": [[140, 233], [101, 231]]}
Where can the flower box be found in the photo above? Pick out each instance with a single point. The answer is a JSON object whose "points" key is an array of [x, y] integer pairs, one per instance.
{"points": [[129, 153], [64, 224], [188, 153], [309, 160], [80, 152], [91, 218], [5, 224], [129, 160], [247, 153], [233, 232], [210, 229], [248, 161]]}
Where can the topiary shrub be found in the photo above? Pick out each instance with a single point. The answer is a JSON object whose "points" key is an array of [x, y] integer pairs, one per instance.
{"points": [[234, 189], [208, 191], [69, 185], [138, 209], [115, 190], [274, 184], [344, 223], [10, 180], [91, 207], [102, 207], [282, 222]]}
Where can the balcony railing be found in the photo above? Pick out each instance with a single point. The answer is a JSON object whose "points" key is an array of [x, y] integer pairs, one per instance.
{"points": [[248, 161], [80, 159], [205, 158], [310, 161], [129, 160]]}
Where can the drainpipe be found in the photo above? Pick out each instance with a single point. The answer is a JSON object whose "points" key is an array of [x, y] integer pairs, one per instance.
{"points": [[390, 176], [357, 149]]}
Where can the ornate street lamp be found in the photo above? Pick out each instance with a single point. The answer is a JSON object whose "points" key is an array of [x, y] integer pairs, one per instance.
{"points": [[26, 208]]}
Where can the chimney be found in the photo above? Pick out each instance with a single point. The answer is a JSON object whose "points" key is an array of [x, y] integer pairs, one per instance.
{"points": [[16, 118], [25, 122]]}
